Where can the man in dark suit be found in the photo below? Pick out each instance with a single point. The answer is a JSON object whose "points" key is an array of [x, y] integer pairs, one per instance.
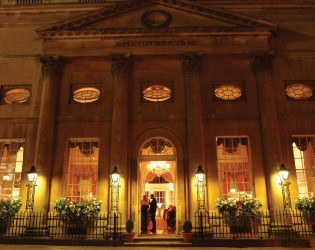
{"points": [[152, 212]]}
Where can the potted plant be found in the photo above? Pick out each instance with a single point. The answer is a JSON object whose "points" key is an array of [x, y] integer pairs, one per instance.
{"points": [[77, 216], [187, 234], [240, 213], [8, 209], [129, 234], [307, 206]]}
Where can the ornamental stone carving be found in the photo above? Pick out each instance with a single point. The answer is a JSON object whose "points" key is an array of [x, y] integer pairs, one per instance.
{"points": [[191, 62], [51, 66], [121, 64], [261, 61]]}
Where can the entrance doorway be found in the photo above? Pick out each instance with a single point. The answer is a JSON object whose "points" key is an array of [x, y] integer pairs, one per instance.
{"points": [[157, 176]]}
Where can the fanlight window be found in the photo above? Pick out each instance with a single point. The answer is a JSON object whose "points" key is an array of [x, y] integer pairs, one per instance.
{"points": [[299, 91], [157, 93], [16, 96], [86, 95], [157, 146], [228, 92]]}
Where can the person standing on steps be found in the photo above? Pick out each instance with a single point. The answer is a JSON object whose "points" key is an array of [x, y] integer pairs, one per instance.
{"points": [[152, 212], [144, 214]]}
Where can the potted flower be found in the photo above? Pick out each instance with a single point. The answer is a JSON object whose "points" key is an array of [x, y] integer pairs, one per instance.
{"points": [[8, 209], [129, 234], [240, 213], [187, 234], [77, 216], [307, 206]]}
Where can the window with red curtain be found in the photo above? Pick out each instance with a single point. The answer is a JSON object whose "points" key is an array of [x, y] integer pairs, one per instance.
{"points": [[11, 164], [235, 174], [304, 159], [81, 169]]}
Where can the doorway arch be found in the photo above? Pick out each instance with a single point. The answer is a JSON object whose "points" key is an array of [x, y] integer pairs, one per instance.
{"points": [[169, 142]]}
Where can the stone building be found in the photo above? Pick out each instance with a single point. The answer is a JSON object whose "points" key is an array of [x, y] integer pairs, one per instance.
{"points": [[157, 88]]}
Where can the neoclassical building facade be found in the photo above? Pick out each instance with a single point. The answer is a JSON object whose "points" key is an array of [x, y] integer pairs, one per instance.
{"points": [[157, 88]]}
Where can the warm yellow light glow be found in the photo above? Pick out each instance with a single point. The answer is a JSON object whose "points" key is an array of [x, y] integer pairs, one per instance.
{"points": [[232, 190], [200, 174], [283, 173], [158, 167], [6, 177], [86, 95], [115, 175], [32, 174], [159, 205]]}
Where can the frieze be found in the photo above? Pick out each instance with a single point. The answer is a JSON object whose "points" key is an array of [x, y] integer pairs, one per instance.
{"points": [[157, 43]]}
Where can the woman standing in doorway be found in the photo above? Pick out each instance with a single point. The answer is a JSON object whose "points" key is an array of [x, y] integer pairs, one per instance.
{"points": [[144, 214]]}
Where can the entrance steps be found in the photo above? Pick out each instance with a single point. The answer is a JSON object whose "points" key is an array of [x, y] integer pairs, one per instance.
{"points": [[158, 241]]}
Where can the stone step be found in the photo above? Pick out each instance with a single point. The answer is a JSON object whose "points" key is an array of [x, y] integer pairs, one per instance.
{"points": [[158, 238], [158, 244]]}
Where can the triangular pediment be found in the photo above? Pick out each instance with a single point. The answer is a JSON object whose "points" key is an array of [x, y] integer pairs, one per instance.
{"points": [[154, 16]]}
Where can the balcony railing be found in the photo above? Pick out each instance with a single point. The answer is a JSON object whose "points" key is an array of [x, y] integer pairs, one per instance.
{"points": [[28, 2], [272, 224], [35, 224]]}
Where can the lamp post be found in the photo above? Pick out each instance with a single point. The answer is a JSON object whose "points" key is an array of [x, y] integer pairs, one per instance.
{"points": [[285, 186], [200, 183], [32, 177], [114, 180]]}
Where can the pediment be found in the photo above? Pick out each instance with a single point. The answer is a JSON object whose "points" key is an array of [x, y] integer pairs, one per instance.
{"points": [[154, 16]]}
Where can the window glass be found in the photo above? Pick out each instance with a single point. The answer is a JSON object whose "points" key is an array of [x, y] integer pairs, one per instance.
{"points": [[304, 159], [235, 175], [81, 169], [11, 165]]}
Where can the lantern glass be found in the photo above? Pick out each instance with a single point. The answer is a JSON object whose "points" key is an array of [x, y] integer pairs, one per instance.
{"points": [[6, 177], [115, 175], [200, 174], [283, 173], [32, 174]]}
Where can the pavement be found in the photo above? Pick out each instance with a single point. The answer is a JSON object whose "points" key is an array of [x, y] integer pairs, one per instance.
{"points": [[47, 247]]}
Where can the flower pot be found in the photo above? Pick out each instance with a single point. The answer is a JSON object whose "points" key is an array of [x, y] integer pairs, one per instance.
{"points": [[187, 237], [129, 237]]}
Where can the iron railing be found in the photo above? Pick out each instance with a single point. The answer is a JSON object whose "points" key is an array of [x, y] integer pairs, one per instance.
{"points": [[28, 2], [36, 224], [271, 224]]}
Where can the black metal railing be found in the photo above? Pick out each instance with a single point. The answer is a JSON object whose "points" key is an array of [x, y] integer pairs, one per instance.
{"points": [[28, 2], [36, 224], [93, 1], [269, 224]]}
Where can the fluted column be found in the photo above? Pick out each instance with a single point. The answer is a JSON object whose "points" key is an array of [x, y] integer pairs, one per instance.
{"points": [[51, 68], [261, 65], [121, 69], [191, 67]]}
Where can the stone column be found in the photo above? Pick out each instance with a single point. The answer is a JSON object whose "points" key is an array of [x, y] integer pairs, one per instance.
{"points": [[261, 65], [191, 67], [51, 68], [121, 69]]}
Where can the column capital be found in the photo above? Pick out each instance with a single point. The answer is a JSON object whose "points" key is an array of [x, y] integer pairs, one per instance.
{"points": [[121, 64], [191, 62], [261, 61], [51, 66]]}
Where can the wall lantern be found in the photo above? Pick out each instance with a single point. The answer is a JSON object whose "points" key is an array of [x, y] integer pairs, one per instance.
{"points": [[114, 187], [32, 177], [32, 174], [201, 194], [283, 173], [115, 175], [200, 174], [285, 186]]}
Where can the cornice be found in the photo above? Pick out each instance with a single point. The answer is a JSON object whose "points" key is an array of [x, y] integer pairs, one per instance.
{"points": [[83, 7], [166, 32]]}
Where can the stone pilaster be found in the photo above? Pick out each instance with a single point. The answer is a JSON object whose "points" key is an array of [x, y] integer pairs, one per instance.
{"points": [[191, 67], [51, 69], [261, 65], [121, 69]]}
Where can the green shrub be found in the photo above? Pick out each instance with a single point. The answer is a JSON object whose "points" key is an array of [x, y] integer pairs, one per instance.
{"points": [[8, 209], [129, 226], [187, 226]]}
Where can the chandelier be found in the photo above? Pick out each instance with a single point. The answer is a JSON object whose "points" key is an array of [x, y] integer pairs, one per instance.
{"points": [[158, 167]]}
